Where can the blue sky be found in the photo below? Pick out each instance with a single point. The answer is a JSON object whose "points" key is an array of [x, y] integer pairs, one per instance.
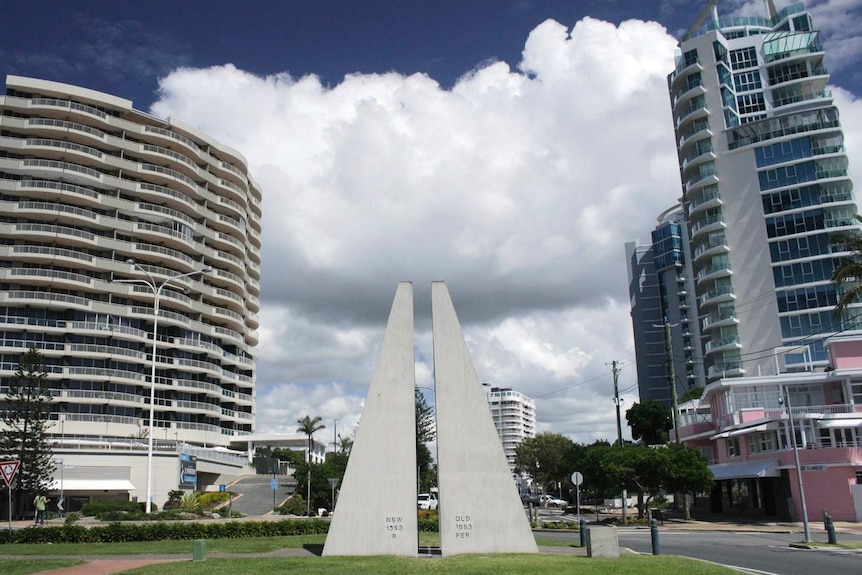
{"points": [[123, 47], [510, 148]]}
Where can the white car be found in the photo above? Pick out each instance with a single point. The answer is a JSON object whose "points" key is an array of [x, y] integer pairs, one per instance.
{"points": [[551, 501], [427, 501]]}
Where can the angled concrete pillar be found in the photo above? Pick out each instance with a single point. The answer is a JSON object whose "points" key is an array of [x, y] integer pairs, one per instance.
{"points": [[376, 511], [480, 508]]}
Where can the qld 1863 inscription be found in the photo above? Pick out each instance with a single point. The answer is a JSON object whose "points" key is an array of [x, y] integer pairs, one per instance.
{"points": [[463, 526]]}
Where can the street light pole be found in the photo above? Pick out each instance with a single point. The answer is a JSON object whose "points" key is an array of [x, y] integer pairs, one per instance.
{"points": [[156, 288], [785, 398]]}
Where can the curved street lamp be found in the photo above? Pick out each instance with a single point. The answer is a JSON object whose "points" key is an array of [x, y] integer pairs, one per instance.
{"points": [[156, 287]]}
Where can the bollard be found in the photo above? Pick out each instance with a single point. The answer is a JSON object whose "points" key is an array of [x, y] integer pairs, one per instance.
{"points": [[830, 529], [199, 550], [653, 531], [582, 527]]}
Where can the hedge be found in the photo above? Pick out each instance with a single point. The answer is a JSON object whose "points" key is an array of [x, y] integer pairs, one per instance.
{"points": [[158, 531]]}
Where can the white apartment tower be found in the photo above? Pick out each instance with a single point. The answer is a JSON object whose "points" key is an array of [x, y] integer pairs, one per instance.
{"points": [[91, 192], [514, 416], [765, 188]]}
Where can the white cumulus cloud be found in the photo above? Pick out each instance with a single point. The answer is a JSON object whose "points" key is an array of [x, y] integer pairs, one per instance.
{"points": [[519, 187]]}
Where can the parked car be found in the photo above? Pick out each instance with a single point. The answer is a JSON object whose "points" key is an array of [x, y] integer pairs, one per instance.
{"points": [[427, 501], [551, 501], [528, 498]]}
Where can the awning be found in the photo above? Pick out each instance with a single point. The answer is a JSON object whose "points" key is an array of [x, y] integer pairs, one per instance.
{"points": [[92, 485], [743, 431], [842, 422], [748, 469]]}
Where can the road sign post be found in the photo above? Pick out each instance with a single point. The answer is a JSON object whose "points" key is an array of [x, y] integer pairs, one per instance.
{"points": [[8, 469], [333, 481], [577, 479]]}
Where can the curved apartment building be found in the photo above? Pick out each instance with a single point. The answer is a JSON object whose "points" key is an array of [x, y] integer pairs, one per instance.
{"points": [[94, 193], [765, 189]]}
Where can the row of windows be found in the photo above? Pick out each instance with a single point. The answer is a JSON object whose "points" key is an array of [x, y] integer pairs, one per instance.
{"points": [[796, 223], [783, 152], [799, 248], [805, 196], [807, 324], [803, 273], [787, 175], [807, 298]]}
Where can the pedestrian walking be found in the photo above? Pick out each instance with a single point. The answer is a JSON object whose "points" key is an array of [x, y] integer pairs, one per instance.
{"points": [[40, 501]]}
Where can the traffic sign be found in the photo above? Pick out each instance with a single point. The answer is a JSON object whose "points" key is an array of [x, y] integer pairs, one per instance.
{"points": [[8, 469], [577, 478], [273, 484]]}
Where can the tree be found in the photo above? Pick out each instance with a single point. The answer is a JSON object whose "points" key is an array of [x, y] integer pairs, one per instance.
{"points": [[345, 444], [309, 426], [650, 422], [426, 431], [26, 423], [545, 458], [848, 274], [687, 472]]}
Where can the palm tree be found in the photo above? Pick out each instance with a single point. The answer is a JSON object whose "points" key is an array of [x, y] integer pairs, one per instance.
{"points": [[345, 444], [309, 426], [849, 271]]}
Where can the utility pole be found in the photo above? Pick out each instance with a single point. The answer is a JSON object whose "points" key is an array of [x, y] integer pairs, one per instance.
{"points": [[619, 429], [617, 401], [671, 374]]}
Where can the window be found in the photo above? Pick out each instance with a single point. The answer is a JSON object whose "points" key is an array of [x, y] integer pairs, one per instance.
{"points": [[750, 103], [761, 442], [744, 58], [733, 449], [747, 81], [690, 57]]}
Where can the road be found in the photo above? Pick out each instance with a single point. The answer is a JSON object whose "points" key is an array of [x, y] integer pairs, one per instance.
{"points": [[257, 493], [755, 552]]}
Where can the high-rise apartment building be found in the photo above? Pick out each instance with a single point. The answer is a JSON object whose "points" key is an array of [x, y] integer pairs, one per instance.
{"points": [[765, 188], [94, 193], [661, 291], [514, 416]]}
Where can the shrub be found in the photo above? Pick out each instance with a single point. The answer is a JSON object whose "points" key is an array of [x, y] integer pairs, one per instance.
{"points": [[214, 499], [102, 507], [72, 518], [160, 531], [191, 502], [295, 505]]}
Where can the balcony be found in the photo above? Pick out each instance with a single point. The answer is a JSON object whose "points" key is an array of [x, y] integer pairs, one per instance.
{"points": [[719, 319], [722, 345]]}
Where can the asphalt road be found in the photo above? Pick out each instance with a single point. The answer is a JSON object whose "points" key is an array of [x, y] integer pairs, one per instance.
{"points": [[258, 495], [768, 553]]}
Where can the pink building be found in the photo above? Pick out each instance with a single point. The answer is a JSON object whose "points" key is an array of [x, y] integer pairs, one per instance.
{"points": [[742, 426]]}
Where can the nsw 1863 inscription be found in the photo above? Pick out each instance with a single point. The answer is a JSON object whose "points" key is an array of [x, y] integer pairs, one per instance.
{"points": [[463, 526], [394, 525]]}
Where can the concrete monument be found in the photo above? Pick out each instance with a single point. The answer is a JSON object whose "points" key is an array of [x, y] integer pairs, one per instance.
{"points": [[480, 509], [376, 511]]}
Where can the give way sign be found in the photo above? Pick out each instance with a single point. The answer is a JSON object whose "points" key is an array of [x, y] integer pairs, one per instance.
{"points": [[8, 469]]}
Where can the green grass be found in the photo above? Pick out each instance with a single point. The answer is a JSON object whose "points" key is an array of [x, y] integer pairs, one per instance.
{"points": [[248, 545], [840, 545], [25, 566], [543, 542], [460, 565]]}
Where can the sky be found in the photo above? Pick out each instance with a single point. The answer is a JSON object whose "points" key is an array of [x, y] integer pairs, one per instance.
{"points": [[509, 148]]}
